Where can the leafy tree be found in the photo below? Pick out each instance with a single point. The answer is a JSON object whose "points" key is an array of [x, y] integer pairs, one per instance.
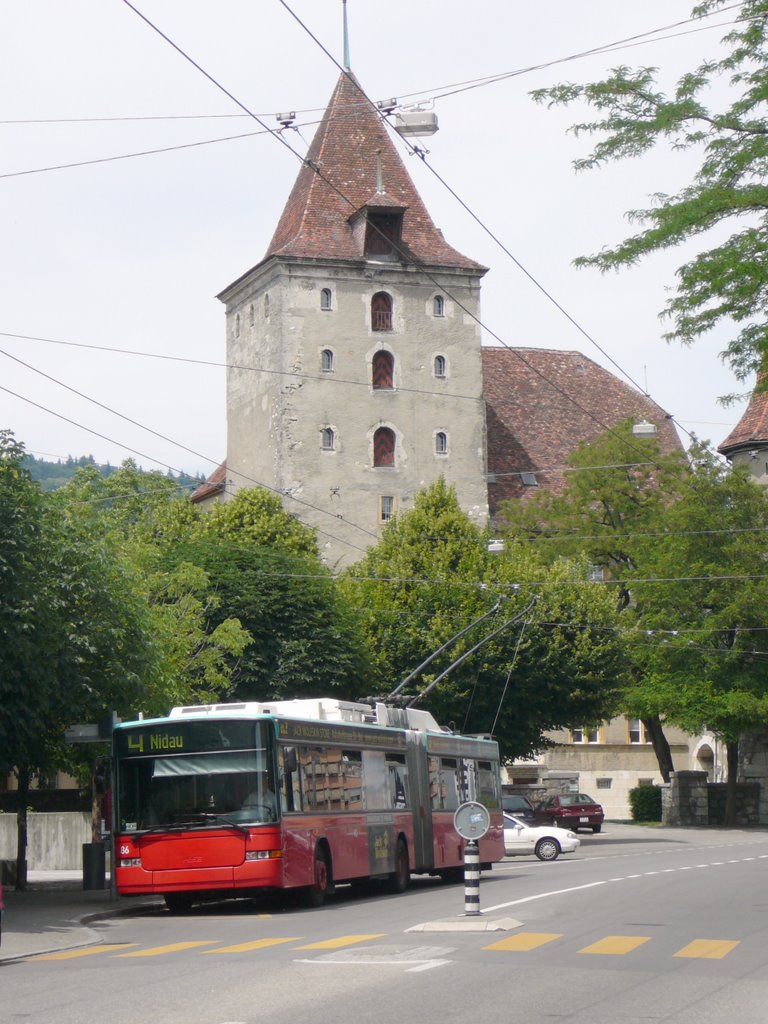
{"points": [[257, 515], [618, 495], [431, 575], [712, 605], [305, 637], [728, 126]]}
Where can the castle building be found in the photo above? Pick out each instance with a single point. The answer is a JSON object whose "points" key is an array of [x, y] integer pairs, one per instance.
{"points": [[356, 375]]}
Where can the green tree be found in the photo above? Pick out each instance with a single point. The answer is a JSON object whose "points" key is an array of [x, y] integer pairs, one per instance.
{"points": [[257, 515], [710, 606], [729, 191], [431, 575], [618, 495]]}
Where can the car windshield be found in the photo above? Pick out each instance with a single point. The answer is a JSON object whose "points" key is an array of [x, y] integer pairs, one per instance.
{"points": [[576, 798]]}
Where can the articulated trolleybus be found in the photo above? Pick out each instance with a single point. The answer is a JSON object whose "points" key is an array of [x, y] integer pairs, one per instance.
{"points": [[233, 799]]}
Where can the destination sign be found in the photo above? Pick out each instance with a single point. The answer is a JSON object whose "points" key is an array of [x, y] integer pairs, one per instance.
{"points": [[462, 746], [339, 734], [188, 737]]}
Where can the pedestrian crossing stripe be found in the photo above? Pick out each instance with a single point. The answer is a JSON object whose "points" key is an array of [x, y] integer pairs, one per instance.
{"points": [[71, 954], [244, 947], [523, 942], [174, 947], [342, 940], [707, 949], [616, 945]]}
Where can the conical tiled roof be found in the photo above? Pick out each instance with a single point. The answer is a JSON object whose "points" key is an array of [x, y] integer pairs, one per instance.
{"points": [[752, 428], [316, 220]]}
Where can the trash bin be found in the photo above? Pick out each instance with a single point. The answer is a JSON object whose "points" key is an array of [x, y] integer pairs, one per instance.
{"points": [[94, 865]]}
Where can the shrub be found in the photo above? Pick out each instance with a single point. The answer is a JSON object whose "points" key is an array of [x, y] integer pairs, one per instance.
{"points": [[645, 802]]}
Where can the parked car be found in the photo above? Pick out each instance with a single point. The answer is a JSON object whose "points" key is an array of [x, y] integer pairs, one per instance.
{"points": [[520, 806], [546, 841], [571, 810]]}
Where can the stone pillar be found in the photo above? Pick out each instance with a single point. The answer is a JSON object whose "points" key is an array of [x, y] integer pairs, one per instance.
{"points": [[685, 800]]}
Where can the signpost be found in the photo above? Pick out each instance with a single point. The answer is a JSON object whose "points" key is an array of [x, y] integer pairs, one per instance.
{"points": [[472, 820]]}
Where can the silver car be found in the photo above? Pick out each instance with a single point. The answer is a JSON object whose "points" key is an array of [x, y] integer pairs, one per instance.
{"points": [[546, 841]]}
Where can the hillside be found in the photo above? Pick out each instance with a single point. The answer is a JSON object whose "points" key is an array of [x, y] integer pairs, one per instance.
{"points": [[51, 475]]}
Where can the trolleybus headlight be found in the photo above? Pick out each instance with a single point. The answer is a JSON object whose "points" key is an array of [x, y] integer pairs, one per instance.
{"points": [[263, 854]]}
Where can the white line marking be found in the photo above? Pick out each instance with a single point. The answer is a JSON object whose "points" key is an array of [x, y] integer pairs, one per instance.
{"points": [[543, 895], [428, 966]]}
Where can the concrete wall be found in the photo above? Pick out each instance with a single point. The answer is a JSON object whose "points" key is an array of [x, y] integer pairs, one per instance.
{"points": [[54, 840]]}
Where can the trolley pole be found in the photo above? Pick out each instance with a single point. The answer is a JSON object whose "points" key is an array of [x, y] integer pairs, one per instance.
{"points": [[471, 879]]}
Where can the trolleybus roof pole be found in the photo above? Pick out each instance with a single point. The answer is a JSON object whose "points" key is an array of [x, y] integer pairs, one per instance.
{"points": [[453, 665]]}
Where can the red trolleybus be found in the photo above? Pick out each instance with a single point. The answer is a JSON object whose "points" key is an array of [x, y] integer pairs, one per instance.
{"points": [[232, 799]]}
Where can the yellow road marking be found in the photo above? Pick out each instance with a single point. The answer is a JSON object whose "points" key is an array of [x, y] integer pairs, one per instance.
{"points": [[524, 941], [616, 945], [70, 954], [343, 940], [173, 948], [707, 949], [243, 947]]}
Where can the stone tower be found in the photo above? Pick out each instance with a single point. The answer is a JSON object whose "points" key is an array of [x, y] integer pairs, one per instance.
{"points": [[747, 443], [360, 325]]}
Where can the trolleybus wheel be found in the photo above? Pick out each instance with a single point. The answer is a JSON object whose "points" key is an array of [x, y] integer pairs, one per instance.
{"points": [[401, 876], [317, 892]]}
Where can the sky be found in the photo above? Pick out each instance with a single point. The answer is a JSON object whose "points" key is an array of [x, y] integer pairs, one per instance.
{"points": [[129, 254]]}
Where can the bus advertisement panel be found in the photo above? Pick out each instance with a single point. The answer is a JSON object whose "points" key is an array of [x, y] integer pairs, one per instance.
{"points": [[233, 799]]}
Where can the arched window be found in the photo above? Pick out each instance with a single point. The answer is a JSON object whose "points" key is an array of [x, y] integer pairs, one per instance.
{"points": [[439, 366], [438, 306], [384, 447], [328, 439], [381, 312], [326, 299], [326, 360], [383, 371], [441, 443]]}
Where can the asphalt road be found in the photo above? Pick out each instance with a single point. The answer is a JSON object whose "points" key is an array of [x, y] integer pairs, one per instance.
{"points": [[639, 925]]}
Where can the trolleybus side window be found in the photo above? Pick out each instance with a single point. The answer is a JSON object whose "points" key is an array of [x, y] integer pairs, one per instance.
{"points": [[314, 778], [398, 781], [290, 779], [352, 780], [444, 783], [487, 788]]}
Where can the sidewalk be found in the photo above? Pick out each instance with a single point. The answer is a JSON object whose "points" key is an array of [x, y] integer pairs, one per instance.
{"points": [[54, 914]]}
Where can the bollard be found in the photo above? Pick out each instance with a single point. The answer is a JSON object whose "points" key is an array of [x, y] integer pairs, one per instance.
{"points": [[471, 878]]}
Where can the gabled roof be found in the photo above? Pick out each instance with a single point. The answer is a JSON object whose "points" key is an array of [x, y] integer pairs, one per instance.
{"points": [[212, 487], [752, 428], [533, 425], [315, 221]]}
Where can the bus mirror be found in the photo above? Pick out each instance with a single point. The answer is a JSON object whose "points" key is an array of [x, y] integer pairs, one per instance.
{"points": [[290, 763]]}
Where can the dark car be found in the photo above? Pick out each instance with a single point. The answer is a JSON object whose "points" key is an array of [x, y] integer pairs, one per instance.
{"points": [[571, 810], [520, 806]]}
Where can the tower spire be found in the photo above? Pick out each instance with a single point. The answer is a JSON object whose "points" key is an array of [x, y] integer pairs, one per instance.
{"points": [[346, 36]]}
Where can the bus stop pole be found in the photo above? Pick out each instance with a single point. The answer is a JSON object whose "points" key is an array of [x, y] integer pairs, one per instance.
{"points": [[471, 878]]}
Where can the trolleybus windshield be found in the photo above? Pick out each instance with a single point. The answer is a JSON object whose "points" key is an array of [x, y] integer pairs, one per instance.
{"points": [[196, 775]]}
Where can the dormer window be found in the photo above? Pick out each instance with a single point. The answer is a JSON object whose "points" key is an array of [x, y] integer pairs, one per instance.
{"points": [[382, 235], [381, 312]]}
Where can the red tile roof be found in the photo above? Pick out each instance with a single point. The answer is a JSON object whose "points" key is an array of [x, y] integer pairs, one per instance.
{"points": [[315, 221], [752, 428], [534, 422], [213, 486]]}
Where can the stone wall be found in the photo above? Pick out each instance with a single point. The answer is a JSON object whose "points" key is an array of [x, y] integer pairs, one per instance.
{"points": [[747, 803], [690, 800], [54, 840]]}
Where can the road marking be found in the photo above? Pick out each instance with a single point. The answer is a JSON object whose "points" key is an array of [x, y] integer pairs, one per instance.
{"points": [[524, 941], [244, 947], [707, 949], [174, 947], [544, 895], [616, 945], [70, 954], [342, 940]]}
